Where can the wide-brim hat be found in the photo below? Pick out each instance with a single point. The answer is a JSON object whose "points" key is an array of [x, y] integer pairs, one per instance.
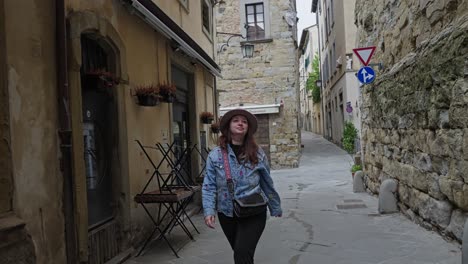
{"points": [[225, 120]]}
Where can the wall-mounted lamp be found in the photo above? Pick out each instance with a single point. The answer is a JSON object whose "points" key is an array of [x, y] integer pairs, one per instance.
{"points": [[247, 48], [220, 2], [318, 83]]}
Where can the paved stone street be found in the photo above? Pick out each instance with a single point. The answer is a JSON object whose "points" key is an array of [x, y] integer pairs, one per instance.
{"points": [[324, 222]]}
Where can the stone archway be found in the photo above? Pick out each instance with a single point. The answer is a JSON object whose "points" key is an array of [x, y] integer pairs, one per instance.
{"points": [[103, 32]]}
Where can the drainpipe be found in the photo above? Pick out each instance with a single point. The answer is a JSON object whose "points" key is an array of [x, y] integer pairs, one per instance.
{"points": [[65, 133]]}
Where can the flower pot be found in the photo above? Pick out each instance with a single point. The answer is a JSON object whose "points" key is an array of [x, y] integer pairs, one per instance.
{"points": [[207, 120], [147, 100], [168, 98]]}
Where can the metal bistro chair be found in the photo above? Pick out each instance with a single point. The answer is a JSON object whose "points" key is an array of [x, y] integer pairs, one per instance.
{"points": [[174, 193]]}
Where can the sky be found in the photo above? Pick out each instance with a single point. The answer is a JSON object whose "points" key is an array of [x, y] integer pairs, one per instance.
{"points": [[306, 17]]}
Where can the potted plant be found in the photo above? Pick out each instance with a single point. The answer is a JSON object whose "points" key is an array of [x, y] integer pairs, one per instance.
{"points": [[354, 168], [167, 92], [147, 95], [206, 117], [215, 128], [100, 79]]}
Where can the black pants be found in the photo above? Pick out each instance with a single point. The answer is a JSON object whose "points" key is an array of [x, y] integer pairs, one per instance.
{"points": [[243, 235]]}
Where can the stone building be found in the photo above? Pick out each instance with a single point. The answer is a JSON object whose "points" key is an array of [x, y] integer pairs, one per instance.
{"points": [[268, 83], [311, 114], [70, 166], [415, 127], [340, 87]]}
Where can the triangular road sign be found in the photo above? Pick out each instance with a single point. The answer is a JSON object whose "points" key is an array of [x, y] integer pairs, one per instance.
{"points": [[364, 54]]}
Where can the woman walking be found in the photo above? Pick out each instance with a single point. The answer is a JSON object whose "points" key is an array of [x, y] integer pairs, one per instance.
{"points": [[238, 186]]}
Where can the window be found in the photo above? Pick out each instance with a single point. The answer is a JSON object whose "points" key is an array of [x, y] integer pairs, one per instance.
{"points": [[206, 17], [185, 4], [307, 61], [255, 21], [336, 104], [326, 27], [349, 61], [321, 39], [334, 56]]}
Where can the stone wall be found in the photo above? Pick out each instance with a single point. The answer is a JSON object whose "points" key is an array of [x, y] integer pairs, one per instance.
{"points": [[270, 77], [415, 127]]}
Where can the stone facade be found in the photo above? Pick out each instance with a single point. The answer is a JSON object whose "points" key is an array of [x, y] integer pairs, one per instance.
{"points": [[340, 87], [270, 77], [415, 127], [311, 115]]}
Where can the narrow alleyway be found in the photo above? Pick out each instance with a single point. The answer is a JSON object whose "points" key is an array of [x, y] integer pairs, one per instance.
{"points": [[324, 222]]}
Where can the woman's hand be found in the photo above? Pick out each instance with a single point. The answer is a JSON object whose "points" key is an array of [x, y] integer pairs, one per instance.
{"points": [[210, 221]]}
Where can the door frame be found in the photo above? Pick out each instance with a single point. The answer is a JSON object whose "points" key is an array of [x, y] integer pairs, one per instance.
{"points": [[90, 22]]}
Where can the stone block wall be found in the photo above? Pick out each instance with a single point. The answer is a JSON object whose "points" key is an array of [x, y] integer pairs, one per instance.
{"points": [[415, 124]]}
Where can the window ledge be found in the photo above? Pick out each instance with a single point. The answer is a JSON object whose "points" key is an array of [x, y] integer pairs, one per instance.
{"points": [[266, 40], [10, 222]]}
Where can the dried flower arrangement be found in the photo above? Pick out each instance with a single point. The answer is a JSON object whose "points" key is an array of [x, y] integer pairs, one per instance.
{"points": [[206, 117], [106, 78], [147, 95], [167, 92], [215, 128]]}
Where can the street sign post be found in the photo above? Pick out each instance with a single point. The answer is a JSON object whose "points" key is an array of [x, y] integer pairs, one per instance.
{"points": [[366, 75], [364, 54]]}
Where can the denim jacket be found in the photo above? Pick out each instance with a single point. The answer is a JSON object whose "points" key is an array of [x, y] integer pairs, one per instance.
{"points": [[247, 180]]}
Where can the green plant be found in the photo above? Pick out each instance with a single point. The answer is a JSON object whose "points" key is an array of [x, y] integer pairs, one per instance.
{"points": [[349, 135], [356, 167]]}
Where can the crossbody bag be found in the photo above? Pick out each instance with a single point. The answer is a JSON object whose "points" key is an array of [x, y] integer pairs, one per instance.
{"points": [[250, 205]]}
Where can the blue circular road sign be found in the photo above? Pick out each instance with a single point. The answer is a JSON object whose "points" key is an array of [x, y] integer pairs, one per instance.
{"points": [[366, 75]]}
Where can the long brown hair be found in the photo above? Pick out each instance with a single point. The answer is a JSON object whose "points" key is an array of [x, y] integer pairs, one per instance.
{"points": [[249, 147]]}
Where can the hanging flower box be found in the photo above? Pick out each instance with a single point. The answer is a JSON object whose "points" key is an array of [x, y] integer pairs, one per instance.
{"points": [[214, 128], [148, 100], [100, 80], [147, 95], [206, 117], [167, 92]]}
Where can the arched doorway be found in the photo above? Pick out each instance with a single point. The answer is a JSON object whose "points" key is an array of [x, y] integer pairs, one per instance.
{"points": [[100, 143]]}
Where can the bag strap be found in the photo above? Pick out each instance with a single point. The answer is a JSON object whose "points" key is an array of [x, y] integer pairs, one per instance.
{"points": [[227, 172]]}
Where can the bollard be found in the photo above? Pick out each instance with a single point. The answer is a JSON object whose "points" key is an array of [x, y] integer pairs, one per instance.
{"points": [[465, 244], [387, 200], [358, 183]]}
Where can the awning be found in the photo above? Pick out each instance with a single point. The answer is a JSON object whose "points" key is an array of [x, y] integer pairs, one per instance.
{"points": [[155, 17], [254, 109]]}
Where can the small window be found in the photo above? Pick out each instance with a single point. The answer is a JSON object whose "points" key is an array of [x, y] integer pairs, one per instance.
{"points": [[255, 21], [185, 4], [206, 17]]}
